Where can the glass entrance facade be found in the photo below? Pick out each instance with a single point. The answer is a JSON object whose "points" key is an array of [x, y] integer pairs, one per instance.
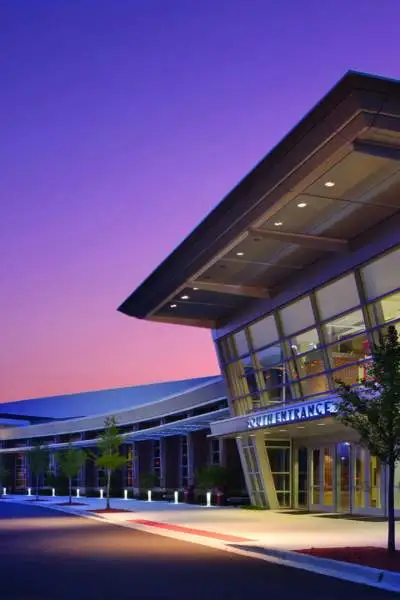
{"points": [[338, 477], [298, 352]]}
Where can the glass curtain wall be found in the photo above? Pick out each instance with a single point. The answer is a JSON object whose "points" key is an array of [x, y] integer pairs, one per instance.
{"points": [[300, 350]]}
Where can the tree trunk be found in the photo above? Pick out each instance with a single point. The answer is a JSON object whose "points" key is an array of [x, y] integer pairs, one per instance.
{"points": [[70, 489], [108, 488], [391, 520]]}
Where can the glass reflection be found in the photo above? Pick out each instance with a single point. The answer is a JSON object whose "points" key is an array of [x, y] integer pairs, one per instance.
{"points": [[305, 342], [269, 356], [348, 351], [310, 364], [344, 326], [315, 385], [386, 309]]}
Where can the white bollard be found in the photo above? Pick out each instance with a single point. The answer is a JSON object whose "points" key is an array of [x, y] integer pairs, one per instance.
{"points": [[125, 494], [29, 491], [4, 491], [53, 492], [208, 499], [176, 497], [101, 494], [149, 495], [77, 493]]}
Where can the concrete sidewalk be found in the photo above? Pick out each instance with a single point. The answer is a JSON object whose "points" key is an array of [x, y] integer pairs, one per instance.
{"points": [[269, 529]]}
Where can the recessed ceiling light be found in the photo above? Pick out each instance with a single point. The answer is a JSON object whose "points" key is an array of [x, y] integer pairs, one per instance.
{"points": [[172, 305], [321, 424], [302, 204], [239, 253], [185, 297], [283, 430], [329, 184], [300, 427], [278, 223]]}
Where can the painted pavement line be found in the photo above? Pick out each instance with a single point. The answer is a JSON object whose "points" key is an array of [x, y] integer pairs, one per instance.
{"points": [[223, 537], [385, 580]]}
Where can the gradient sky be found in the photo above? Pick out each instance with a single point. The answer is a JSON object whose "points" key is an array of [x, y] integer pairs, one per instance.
{"points": [[123, 122]]}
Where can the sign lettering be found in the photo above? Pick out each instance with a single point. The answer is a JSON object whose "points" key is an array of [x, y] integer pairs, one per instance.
{"points": [[304, 412]]}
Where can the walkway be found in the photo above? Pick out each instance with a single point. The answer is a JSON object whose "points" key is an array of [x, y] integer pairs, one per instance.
{"points": [[215, 525]]}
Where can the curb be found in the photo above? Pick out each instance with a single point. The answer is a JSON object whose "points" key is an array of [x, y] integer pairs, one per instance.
{"points": [[387, 580], [377, 578]]}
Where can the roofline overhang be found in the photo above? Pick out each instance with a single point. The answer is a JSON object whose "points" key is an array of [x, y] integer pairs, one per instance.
{"points": [[347, 110]]}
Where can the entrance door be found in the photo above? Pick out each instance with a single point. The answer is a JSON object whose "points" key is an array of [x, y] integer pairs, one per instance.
{"points": [[322, 470], [302, 477], [343, 466]]}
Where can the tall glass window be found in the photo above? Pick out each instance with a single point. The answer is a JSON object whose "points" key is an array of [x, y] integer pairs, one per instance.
{"points": [[279, 461], [215, 452], [264, 332], [382, 275], [157, 461], [297, 316], [184, 461], [337, 297], [242, 346], [385, 309]]}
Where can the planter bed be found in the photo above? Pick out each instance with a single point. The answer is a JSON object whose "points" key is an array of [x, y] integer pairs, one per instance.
{"points": [[368, 556]]}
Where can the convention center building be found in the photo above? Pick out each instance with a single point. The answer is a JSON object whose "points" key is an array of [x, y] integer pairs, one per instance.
{"points": [[296, 272], [164, 429]]}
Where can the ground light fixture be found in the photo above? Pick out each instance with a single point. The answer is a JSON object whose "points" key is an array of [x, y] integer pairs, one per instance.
{"points": [[176, 497], [302, 204], [148, 495], [208, 497], [53, 492], [125, 494], [278, 223], [185, 297], [101, 494], [78, 493], [195, 289], [239, 253], [329, 184], [29, 491], [4, 491], [172, 305]]}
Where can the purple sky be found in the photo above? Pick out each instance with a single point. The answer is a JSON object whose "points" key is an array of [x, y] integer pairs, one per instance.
{"points": [[123, 122]]}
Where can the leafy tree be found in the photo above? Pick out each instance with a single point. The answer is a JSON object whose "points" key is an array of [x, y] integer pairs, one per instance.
{"points": [[71, 461], [110, 458], [148, 481], [38, 462], [373, 410], [213, 477], [3, 471]]}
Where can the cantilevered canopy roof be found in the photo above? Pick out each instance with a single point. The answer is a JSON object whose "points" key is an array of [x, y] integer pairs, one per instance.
{"points": [[333, 177]]}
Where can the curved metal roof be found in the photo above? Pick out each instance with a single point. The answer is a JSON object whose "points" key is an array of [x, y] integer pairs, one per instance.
{"points": [[85, 404]]}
